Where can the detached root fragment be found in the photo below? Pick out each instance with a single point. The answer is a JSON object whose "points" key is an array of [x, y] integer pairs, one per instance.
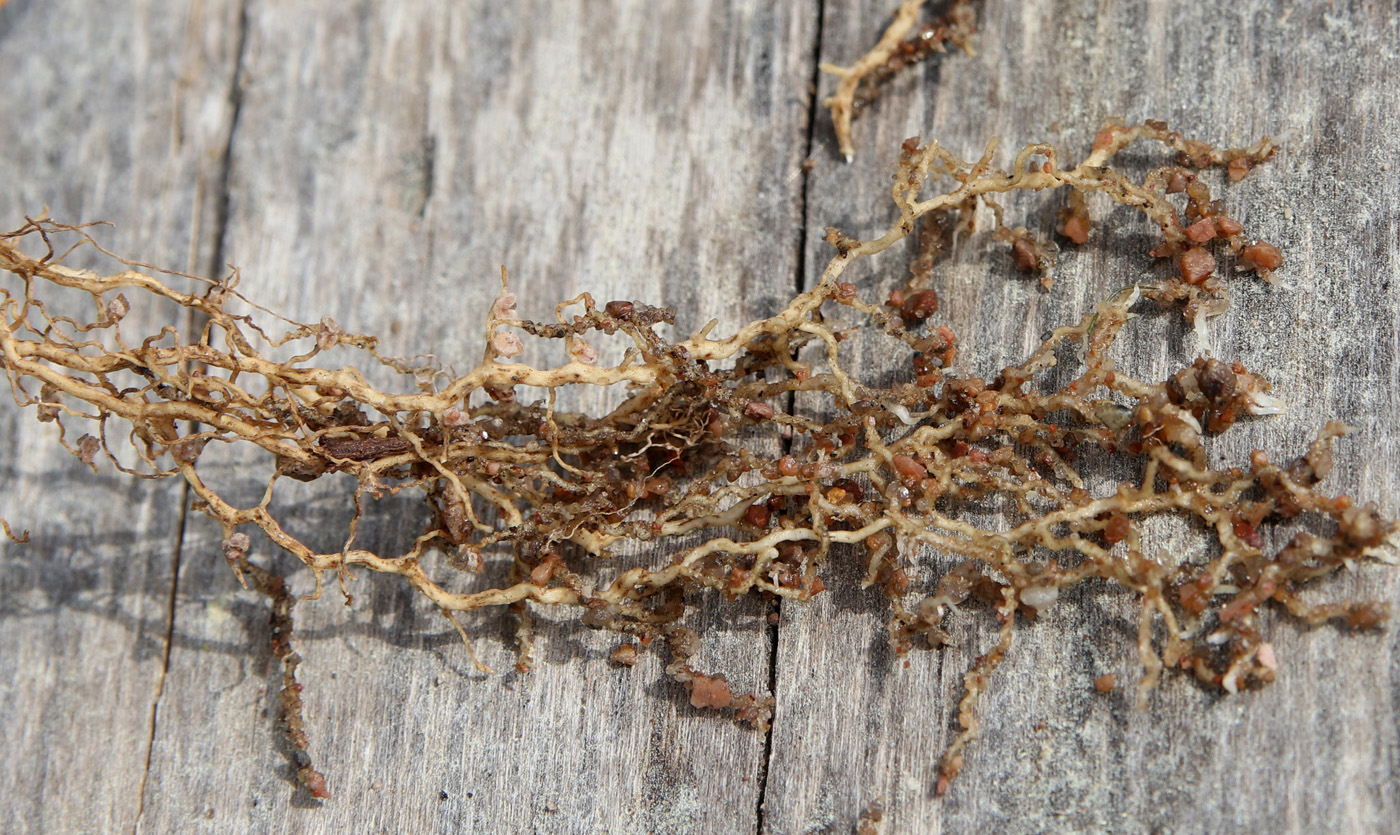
{"points": [[10, 534], [859, 84], [274, 587], [975, 683], [467, 642]]}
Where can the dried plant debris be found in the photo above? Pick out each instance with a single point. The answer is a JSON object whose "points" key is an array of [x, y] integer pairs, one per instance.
{"points": [[905, 42], [883, 475]]}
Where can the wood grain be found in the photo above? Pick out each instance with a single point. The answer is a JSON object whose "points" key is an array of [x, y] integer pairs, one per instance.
{"points": [[377, 163], [112, 111]]}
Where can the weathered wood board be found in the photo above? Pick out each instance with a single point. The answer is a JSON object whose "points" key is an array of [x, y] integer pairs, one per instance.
{"points": [[118, 112], [378, 162]]}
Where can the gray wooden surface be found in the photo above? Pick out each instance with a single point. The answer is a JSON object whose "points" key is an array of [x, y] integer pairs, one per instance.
{"points": [[377, 162]]}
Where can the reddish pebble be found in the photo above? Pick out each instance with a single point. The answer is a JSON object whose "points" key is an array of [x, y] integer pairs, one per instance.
{"points": [[758, 410], [1261, 256], [758, 515], [1201, 231], [919, 306], [1077, 228], [1217, 381], [1228, 226], [707, 691], [1026, 255], [910, 471], [618, 310], [1196, 265], [315, 783], [541, 573], [1117, 529]]}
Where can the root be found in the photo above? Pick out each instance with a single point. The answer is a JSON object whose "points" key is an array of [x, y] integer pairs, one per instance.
{"points": [[859, 84]]}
